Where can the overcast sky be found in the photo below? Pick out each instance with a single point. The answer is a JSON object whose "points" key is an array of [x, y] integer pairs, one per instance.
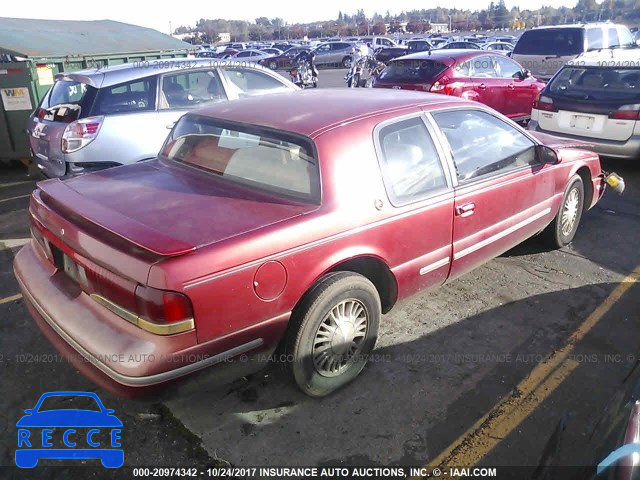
{"points": [[158, 14]]}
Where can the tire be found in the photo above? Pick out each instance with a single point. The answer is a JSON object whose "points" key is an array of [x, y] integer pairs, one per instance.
{"points": [[273, 65], [346, 62], [561, 231], [318, 357], [356, 80], [315, 83]]}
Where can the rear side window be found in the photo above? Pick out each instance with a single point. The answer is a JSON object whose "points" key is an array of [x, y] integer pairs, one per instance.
{"points": [[68, 101], [597, 84], [551, 41], [594, 39], [134, 96], [410, 71], [613, 37], [280, 163], [410, 162]]}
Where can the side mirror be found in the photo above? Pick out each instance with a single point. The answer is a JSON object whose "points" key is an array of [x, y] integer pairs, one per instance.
{"points": [[546, 155]]}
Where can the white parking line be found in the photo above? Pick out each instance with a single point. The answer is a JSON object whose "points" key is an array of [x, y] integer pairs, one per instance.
{"points": [[12, 184], [14, 198], [13, 243]]}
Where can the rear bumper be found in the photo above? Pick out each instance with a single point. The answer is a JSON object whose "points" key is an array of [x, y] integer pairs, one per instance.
{"points": [[110, 351], [628, 149]]}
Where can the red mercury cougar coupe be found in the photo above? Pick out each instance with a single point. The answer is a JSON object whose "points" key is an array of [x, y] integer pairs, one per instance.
{"points": [[256, 228]]}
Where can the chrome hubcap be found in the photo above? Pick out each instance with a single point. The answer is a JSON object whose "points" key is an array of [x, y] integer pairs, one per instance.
{"points": [[570, 211], [340, 337]]}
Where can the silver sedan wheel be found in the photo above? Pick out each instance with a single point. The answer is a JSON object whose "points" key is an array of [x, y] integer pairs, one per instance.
{"points": [[340, 337], [570, 211]]}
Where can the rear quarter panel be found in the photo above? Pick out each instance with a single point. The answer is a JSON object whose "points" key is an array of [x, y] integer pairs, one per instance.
{"points": [[220, 278]]}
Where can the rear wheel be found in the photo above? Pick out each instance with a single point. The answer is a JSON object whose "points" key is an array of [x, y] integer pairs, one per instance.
{"points": [[346, 62], [564, 227], [333, 330], [273, 65]]}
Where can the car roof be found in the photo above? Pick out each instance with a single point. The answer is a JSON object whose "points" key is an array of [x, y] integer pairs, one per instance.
{"points": [[447, 55], [115, 74], [609, 57], [311, 112]]}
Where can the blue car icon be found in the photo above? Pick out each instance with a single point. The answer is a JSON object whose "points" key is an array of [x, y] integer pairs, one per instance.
{"points": [[83, 437]]}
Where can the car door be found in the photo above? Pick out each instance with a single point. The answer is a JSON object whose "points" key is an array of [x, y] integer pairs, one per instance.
{"points": [[133, 128], [503, 193], [489, 87], [419, 186], [521, 90], [323, 54]]}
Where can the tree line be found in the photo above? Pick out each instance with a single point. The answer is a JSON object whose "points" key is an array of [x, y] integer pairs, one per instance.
{"points": [[495, 16]]}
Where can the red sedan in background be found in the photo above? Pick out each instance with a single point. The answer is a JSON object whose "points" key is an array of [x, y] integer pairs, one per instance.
{"points": [[254, 229], [486, 77]]}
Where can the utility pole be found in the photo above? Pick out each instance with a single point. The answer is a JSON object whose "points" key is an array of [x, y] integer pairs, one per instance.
{"points": [[170, 29]]}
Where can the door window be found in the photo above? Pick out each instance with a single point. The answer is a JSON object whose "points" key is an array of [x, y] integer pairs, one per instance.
{"points": [[482, 144], [483, 67], [507, 68], [252, 82], [410, 162], [191, 89], [134, 96]]}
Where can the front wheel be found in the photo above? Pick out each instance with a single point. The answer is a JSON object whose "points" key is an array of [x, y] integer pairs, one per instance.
{"points": [[333, 330], [561, 231], [273, 65]]}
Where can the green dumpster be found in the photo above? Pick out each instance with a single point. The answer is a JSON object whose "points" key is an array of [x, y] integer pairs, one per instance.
{"points": [[29, 63]]}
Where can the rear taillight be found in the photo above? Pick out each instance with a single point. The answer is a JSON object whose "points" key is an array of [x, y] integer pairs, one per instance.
{"points": [[444, 85], [80, 133], [544, 103], [627, 112], [162, 307], [41, 113]]}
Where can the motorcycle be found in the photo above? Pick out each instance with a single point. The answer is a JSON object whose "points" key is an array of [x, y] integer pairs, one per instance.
{"points": [[363, 71], [304, 74]]}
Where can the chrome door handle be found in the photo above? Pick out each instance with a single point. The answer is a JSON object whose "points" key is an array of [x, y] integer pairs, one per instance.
{"points": [[466, 210]]}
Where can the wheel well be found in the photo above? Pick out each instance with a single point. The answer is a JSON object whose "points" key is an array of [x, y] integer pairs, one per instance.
{"points": [[378, 273], [585, 174]]}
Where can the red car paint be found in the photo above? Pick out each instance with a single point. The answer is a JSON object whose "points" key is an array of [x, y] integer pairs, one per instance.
{"points": [[243, 258], [474, 75]]}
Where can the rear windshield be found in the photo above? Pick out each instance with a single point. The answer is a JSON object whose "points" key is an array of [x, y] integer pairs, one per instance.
{"points": [[409, 71], [279, 163], [596, 83], [67, 101], [551, 41]]}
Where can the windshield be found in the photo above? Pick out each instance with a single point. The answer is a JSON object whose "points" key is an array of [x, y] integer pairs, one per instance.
{"points": [[67, 100], [551, 41], [410, 71], [279, 163], [594, 83]]}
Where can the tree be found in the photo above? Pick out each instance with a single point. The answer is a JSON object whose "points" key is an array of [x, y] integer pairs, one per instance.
{"points": [[380, 28]]}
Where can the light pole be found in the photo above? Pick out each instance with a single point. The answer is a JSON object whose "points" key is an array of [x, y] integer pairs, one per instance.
{"points": [[449, 23]]}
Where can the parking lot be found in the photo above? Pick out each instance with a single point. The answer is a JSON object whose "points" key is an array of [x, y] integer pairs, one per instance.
{"points": [[475, 350]]}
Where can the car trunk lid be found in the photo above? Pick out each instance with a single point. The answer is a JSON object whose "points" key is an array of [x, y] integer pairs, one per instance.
{"points": [[167, 210]]}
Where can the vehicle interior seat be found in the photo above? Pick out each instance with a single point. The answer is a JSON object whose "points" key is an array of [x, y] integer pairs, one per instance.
{"points": [[272, 166], [175, 94]]}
